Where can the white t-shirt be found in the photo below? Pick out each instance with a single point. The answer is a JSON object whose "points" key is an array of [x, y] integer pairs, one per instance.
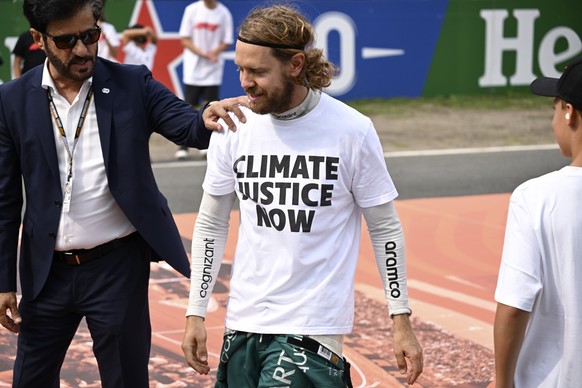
{"points": [[207, 28], [135, 55], [107, 30], [541, 272], [300, 185]]}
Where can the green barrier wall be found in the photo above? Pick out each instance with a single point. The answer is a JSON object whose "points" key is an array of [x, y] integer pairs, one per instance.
{"points": [[497, 46]]}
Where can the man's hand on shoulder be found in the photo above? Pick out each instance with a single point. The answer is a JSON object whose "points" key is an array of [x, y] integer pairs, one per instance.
{"points": [[216, 110], [8, 302]]}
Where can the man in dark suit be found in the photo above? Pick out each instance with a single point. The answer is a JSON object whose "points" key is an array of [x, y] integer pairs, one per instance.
{"points": [[76, 132]]}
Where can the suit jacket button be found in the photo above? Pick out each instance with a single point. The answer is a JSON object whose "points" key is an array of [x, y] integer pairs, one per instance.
{"points": [[52, 235], [58, 203]]}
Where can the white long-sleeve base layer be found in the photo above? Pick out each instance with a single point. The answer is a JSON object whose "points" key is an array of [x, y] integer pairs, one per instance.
{"points": [[211, 230]]}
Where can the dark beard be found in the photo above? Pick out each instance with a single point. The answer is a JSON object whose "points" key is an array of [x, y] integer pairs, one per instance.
{"points": [[64, 69], [276, 103]]}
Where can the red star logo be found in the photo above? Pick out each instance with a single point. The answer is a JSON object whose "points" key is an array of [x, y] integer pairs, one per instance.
{"points": [[169, 54]]}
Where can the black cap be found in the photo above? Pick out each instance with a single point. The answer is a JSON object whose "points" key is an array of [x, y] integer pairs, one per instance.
{"points": [[568, 87]]}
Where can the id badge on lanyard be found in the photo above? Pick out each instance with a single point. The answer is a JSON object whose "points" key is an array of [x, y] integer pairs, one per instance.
{"points": [[68, 189], [68, 192]]}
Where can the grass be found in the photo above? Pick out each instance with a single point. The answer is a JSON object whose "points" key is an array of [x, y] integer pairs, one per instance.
{"points": [[396, 106]]}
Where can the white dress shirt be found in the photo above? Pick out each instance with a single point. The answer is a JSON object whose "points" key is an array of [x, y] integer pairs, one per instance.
{"points": [[94, 217]]}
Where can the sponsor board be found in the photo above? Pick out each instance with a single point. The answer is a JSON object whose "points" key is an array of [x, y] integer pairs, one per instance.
{"points": [[382, 48]]}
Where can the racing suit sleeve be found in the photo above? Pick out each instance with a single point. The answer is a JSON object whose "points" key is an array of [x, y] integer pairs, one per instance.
{"points": [[208, 243], [387, 238]]}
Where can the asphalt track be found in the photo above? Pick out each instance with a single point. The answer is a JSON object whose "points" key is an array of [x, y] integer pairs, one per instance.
{"points": [[420, 174], [453, 207]]}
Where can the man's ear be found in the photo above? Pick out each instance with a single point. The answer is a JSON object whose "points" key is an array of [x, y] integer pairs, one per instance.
{"points": [[296, 64], [37, 36]]}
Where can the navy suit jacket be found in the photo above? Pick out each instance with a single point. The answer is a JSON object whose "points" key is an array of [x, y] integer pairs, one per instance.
{"points": [[130, 106]]}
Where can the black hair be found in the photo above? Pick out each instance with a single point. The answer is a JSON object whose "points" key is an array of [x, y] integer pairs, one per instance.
{"points": [[40, 13]]}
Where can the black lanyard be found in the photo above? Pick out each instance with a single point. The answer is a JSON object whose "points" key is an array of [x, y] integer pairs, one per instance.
{"points": [[70, 151]]}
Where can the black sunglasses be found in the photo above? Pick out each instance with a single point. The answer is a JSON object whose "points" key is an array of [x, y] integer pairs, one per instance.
{"points": [[69, 41]]}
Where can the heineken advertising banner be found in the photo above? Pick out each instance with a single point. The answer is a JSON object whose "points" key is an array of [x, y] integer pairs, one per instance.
{"points": [[383, 48]]}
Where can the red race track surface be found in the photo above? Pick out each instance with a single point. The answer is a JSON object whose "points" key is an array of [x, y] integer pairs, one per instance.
{"points": [[453, 253]]}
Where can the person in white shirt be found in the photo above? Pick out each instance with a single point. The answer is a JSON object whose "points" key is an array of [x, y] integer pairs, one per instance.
{"points": [[538, 322], [109, 41], [206, 31], [304, 167], [139, 45]]}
